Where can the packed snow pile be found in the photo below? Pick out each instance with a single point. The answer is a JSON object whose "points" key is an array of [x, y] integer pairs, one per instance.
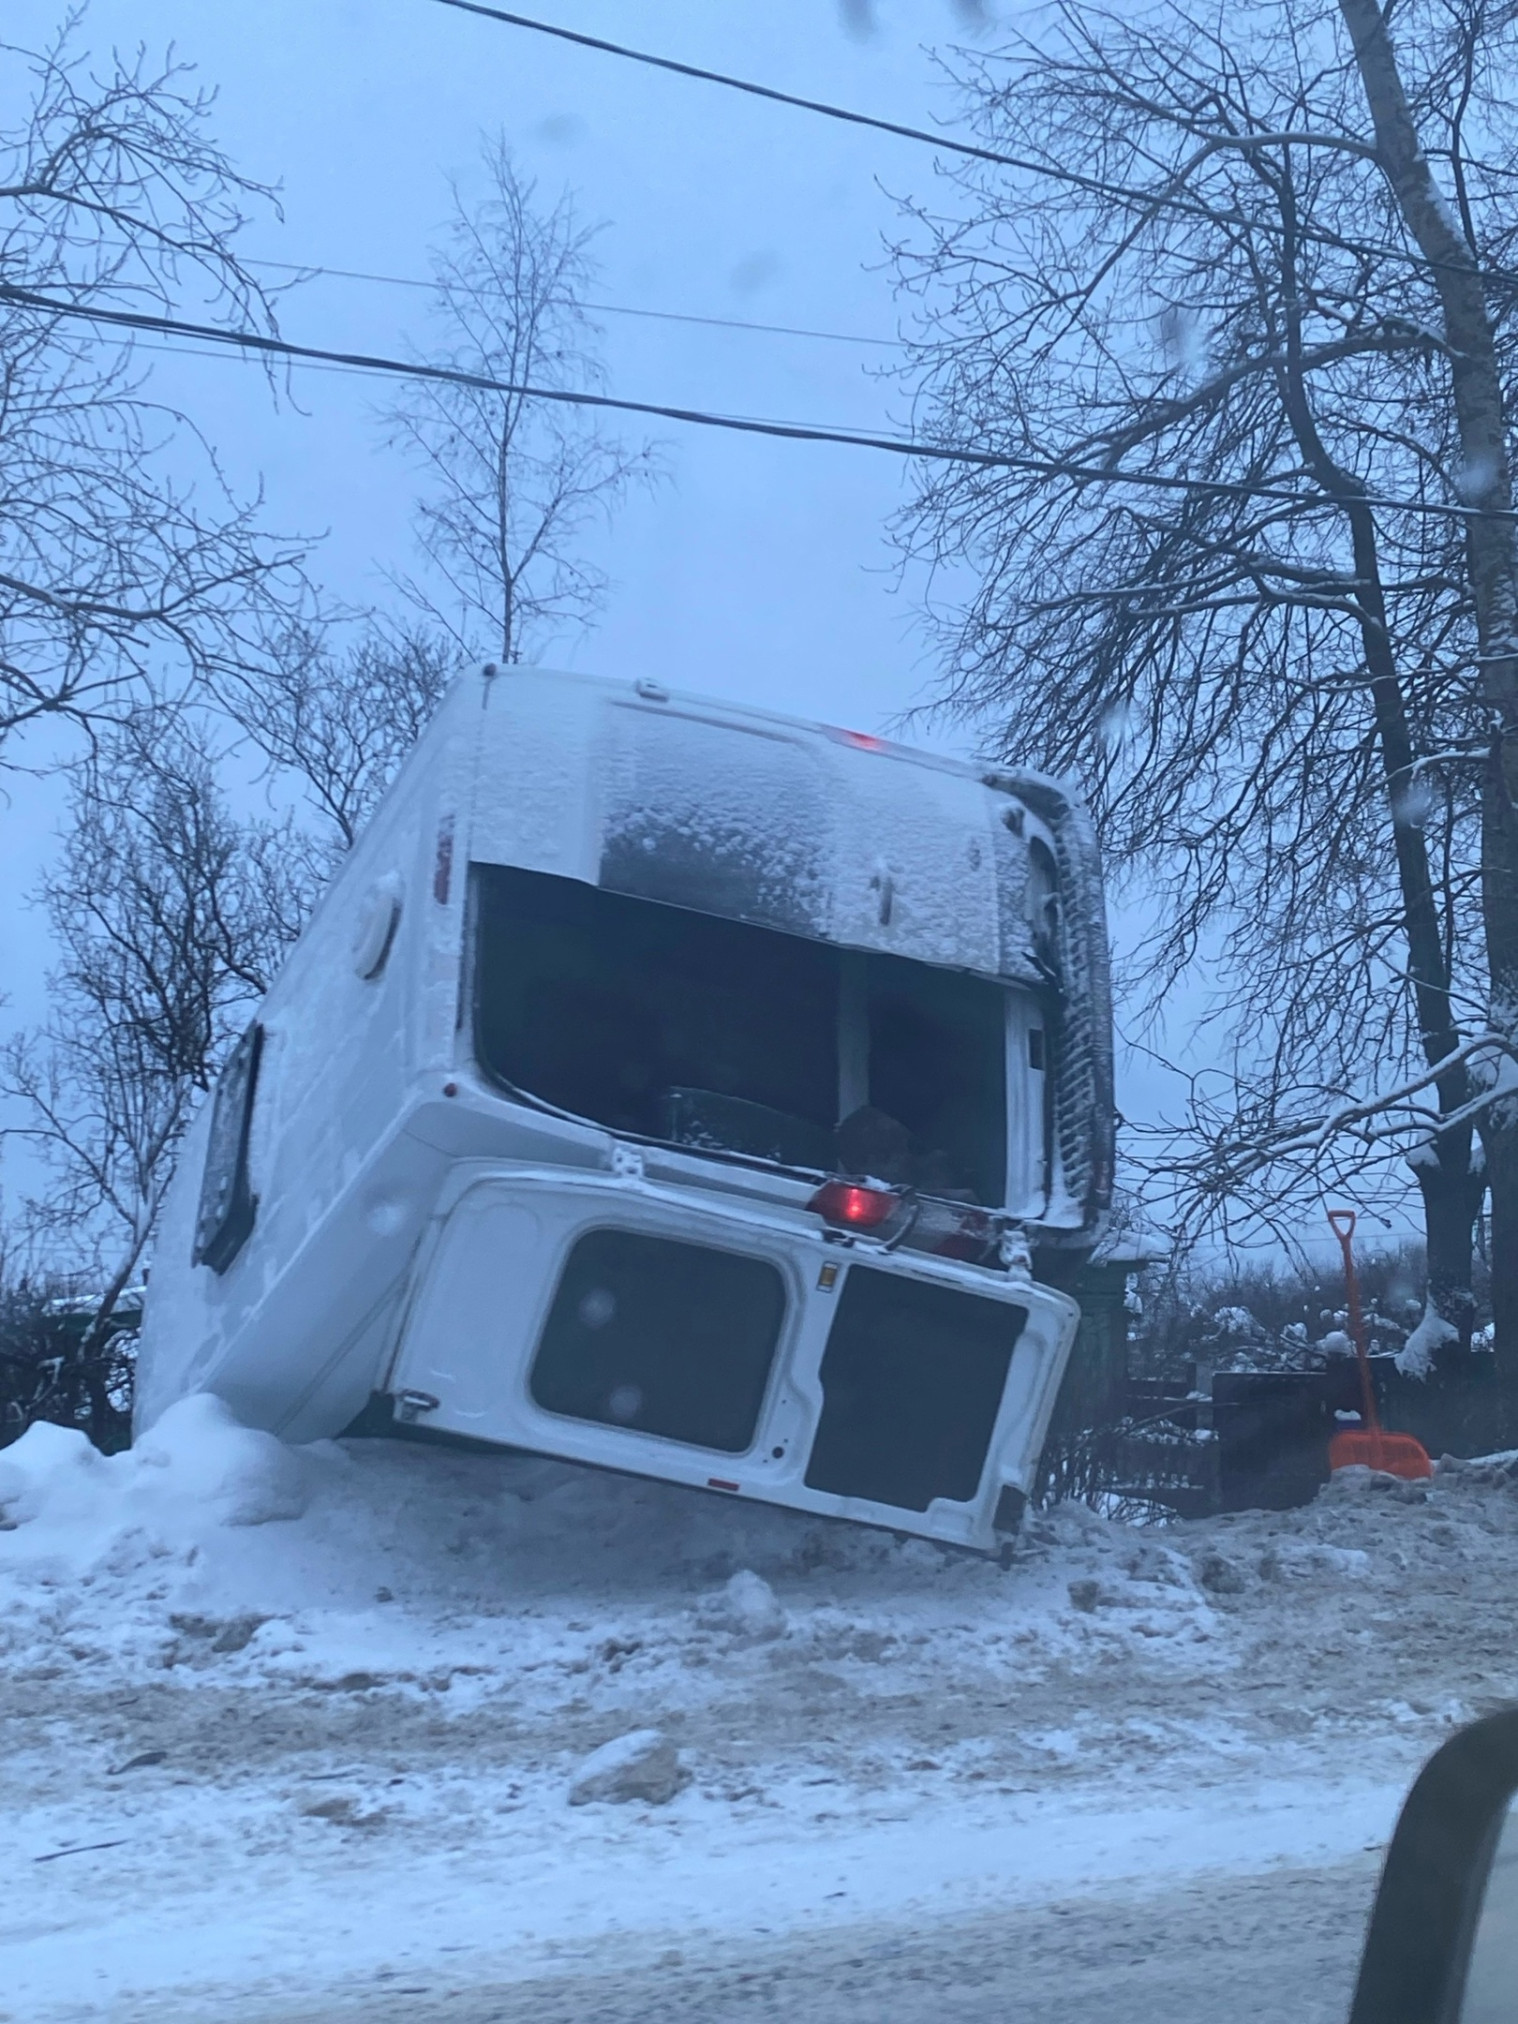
{"points": [[413, 1565], [197, 1468], [406, 1704], [422, 1570]]}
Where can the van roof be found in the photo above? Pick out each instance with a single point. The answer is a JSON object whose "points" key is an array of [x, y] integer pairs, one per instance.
{"points": [[758, 816]]}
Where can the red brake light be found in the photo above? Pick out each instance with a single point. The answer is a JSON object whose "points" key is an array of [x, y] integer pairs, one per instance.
{"points": [[852, 1206]]}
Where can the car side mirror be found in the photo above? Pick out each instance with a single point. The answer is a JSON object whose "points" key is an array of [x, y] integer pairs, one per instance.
{"points": [[1442, 1947]]}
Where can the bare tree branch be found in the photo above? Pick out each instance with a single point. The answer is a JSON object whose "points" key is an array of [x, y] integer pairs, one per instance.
{"points": [[1205, 275], [512, 486], [342, 720], [128, 561], [170, 921]]}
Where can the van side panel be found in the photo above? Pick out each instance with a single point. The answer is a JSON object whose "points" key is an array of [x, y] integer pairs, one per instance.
{"points": [[341, 1055]]}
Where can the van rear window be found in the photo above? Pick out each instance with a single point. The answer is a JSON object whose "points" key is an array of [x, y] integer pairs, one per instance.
{"points": [[686, 1027], [661, 1338]]}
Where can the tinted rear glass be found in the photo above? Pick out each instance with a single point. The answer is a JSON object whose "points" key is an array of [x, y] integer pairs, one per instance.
{"points": [[671, 1024], [661, 1338]]}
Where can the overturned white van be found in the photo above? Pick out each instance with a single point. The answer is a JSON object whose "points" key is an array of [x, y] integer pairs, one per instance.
{"points": [[674, 1087]]}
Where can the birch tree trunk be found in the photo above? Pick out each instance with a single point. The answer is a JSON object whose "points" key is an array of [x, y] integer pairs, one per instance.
{"points": [[1485, 482]]}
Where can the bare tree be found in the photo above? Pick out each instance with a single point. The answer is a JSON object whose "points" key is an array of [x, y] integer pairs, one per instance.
{"points": [[341, 720], [1227, 581], [1251, 1152], [167, 916], [1459, 94], [172, 917], [125, 560], [512, 485], [137, 598]]}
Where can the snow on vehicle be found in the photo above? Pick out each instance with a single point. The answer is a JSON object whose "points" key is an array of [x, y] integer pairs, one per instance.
{"points": [[674, 1087]]}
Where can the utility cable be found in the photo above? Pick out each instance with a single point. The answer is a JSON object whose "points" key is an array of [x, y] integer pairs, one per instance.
{"points": [[704, 418], [1091, 186], [341, 365], [314, 271], [864, 119]]}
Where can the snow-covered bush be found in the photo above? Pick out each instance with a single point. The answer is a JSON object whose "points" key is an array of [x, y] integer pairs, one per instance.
{"points": [[55, 1366], [1272, 1317]]}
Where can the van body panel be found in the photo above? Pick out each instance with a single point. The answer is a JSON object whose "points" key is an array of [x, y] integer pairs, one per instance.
{"points": [[489, 1285], [415, 1217]]}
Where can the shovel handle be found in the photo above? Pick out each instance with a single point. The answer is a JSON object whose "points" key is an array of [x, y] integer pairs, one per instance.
{"points": [[1342, 1223]]}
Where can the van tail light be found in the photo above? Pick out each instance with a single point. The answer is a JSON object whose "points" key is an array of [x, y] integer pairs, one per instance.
{"points": [[849, 1205]]}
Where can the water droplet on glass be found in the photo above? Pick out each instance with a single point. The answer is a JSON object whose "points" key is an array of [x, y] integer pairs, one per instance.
{"points": [[625, 1403], [598, 1307]]}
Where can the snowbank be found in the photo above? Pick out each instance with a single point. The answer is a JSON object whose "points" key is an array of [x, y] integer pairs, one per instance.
{"points": [[283, 1718], [408, 1563], [197, 1468]]}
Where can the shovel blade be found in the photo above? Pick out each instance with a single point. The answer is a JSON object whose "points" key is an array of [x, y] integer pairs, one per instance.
{"points": [[1391, 1454]]}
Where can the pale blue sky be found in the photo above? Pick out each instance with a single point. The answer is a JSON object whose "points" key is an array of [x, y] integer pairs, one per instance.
{"points": [[758, 570]]}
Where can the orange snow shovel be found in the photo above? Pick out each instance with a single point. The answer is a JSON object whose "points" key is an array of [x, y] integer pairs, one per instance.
{"points": [[1368, 1446]]}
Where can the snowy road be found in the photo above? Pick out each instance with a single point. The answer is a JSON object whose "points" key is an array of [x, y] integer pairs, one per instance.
{"points": [[290, 1735], [1278, 1948]]}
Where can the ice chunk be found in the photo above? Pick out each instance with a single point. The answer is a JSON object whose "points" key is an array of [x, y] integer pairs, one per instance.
{"points": [[644, 1764], [1222, 1574], [748, 1607]]}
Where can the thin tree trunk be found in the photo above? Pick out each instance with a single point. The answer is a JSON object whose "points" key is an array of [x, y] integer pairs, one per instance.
{"points": [[108, 1427], [1499, 1124], [1486, 482], [1451, 1187], [1452, 1192]]}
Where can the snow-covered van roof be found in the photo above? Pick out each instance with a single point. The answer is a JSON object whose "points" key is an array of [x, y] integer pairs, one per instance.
{"points": [[812, 830], [762, 818]]}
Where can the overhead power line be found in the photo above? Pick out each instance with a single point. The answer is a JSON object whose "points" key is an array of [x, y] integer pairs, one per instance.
{"points": [[1090, 185], [863, 119], [268, 346], [314, 271], [348, 365], [801, 432]]}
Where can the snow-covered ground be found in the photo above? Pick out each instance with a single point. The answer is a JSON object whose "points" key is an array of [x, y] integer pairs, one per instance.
{"points": [[289, 1730]]}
